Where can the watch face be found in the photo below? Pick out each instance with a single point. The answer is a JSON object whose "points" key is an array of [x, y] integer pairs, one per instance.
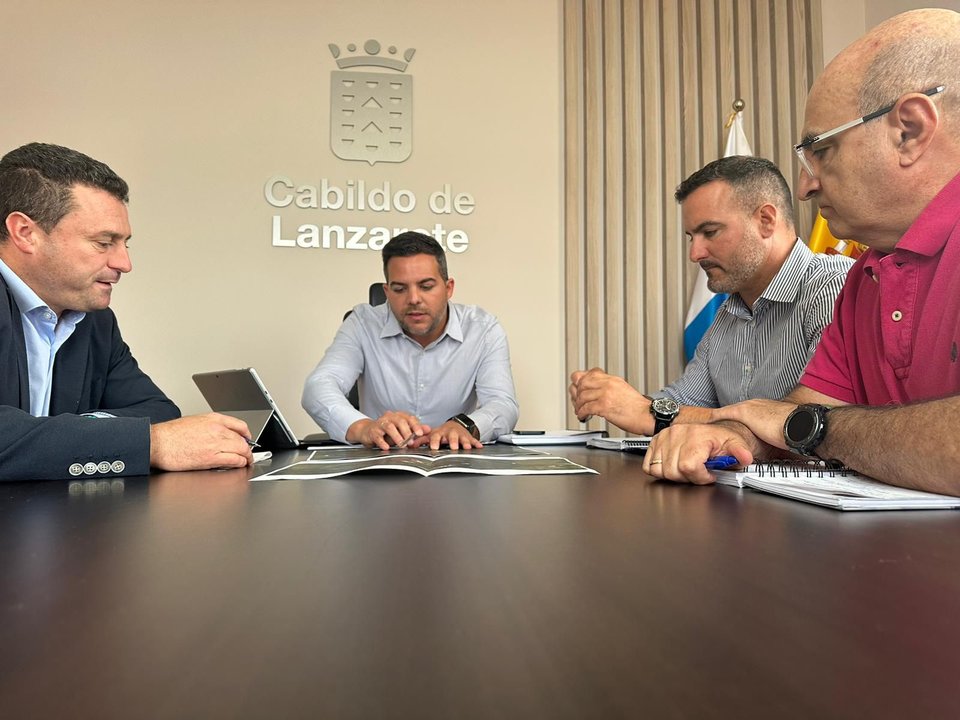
{"points": [[665, 406], [801, 426]]}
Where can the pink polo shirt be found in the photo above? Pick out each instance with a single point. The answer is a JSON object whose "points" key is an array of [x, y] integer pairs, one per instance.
{"points": [[896, 324]]}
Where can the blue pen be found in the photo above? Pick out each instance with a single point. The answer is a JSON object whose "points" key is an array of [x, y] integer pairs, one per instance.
{"points": [[721, 462]]}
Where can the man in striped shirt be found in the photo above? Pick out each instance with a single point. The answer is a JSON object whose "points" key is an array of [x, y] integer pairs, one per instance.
{"points": [[738, 217]]}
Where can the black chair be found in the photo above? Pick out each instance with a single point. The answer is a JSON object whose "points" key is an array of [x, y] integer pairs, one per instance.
{"points": [[376, 297]]}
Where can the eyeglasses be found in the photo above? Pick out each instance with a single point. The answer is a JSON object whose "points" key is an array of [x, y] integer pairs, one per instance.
{"points": [[807, 160]]}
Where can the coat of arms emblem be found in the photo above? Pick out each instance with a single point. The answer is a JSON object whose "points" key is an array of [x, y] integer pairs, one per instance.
{"points": [[371, 113]]}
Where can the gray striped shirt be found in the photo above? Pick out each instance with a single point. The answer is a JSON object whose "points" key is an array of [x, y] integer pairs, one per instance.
{"points": [[761, 353]]}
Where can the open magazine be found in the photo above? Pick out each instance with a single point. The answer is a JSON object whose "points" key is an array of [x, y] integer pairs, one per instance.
{"points": [[488, 460], [827, 484]]}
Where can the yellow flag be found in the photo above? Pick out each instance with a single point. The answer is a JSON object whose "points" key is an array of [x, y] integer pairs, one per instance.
{"points": [[823, 241]]}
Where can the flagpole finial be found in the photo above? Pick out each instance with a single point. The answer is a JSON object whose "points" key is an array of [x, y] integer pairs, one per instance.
{"points": [[738, 106]]}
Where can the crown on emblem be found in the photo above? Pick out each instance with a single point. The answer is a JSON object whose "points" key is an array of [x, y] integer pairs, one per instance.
{"points": [[371, 59]]}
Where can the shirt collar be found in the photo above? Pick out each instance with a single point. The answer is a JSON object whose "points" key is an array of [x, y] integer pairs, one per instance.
{"points": [[27, 300], [785, 285], [453, 330], [929, 232]]}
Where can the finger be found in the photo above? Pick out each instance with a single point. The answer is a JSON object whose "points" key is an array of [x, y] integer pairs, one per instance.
{"points": [[387, 435], [231, 459], [231, 423], [653, 464]]}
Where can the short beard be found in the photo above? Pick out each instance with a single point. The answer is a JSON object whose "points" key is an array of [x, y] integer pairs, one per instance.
{"points": [[741, 267]]}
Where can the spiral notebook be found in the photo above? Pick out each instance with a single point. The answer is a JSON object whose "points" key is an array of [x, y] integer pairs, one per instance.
{"points": [[833, 486], [627, 444]]}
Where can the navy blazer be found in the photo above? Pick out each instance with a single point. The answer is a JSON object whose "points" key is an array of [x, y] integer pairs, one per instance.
{"points": [[93, 371]]}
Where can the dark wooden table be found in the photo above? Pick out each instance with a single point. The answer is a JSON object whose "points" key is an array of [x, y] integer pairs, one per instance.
{"points": [[201, 595]]}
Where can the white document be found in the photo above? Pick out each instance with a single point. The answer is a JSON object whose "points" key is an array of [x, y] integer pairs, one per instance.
{"points": [[551, 437]]}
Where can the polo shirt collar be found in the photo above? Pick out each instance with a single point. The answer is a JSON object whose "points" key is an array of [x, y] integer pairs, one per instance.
{"points": [[929, 232]]}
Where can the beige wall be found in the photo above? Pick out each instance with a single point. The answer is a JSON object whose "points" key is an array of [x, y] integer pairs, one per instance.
{"points": [[876, 11], [844, 22], [197, 104]]}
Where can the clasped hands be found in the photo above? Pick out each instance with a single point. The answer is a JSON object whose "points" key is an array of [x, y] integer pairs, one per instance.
{"points": [[400, 429], [749, 431]]}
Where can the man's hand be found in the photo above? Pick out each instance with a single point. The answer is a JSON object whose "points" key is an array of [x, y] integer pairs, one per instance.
{"points": [[388, 431], [680, 451], [200, 442], [594, 392], [451, 433]]}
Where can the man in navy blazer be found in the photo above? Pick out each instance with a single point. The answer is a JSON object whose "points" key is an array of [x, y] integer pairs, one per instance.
{"points": [[73, 401]]}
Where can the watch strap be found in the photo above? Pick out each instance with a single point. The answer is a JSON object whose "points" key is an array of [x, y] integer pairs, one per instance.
{"points": [[468, 424]]}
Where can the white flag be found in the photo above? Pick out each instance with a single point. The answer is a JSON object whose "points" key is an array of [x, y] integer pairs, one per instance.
{"points": [[703, 303]]}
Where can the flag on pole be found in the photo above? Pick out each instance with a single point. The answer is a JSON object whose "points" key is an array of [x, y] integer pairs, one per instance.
{"points": [[704, 303], [823, 241]]}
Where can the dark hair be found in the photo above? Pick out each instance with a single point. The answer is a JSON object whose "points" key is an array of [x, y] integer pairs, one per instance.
{"points": [[414, 243], [37, 180], [754, 180]]}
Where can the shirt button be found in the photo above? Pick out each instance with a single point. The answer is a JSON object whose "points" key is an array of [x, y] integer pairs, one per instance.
{"points": [[897, 316]]}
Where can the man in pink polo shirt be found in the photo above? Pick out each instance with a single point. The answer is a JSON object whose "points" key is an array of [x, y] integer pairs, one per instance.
{"points": [[882, 392]]}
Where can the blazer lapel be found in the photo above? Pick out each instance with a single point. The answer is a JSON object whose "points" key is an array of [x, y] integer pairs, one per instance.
{"points": [[16, 383]]}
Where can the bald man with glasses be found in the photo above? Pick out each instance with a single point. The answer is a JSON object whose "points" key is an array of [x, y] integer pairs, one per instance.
{"points": [[881, 157]]}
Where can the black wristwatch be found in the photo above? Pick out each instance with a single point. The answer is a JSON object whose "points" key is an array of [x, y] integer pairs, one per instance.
{"points": [[664, 410], [468, 424], [805, 428]]}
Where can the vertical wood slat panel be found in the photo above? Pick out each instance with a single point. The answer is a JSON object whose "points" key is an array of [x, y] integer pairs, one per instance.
{"points": [[675, 296], [710, 105], [594, 191], [636, 329], [809, 56], [613, 209], [726, 55], [693, 113], [746, 62], [782, 99], [647, 88], [765, 141], [573, 180], [653, 237]]}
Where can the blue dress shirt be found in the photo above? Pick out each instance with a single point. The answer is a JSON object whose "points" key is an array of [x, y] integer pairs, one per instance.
{"points": [[43, 335]]}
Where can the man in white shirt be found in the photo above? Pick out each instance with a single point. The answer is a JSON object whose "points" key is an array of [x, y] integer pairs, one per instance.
{"points": [[431, 372]]}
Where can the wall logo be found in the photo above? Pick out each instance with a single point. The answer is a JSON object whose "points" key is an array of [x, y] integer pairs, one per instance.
{"points": [[371, 113]]}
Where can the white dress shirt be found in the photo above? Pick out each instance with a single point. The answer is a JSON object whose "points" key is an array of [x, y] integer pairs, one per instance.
{"points": [[465, 370]]}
